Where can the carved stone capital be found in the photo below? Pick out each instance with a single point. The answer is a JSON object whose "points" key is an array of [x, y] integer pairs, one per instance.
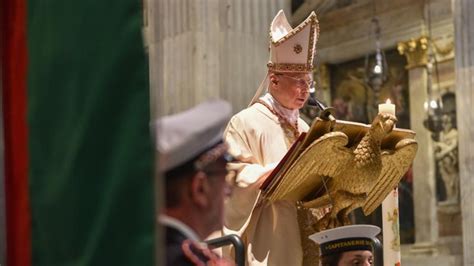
{"points": [[415, 50]]}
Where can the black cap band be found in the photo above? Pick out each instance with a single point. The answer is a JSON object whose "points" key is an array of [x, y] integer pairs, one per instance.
{"points": [[346, 244]]}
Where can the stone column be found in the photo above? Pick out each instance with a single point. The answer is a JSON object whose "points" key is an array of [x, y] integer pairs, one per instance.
{"points": [[464, 69], [424, 185], [208, 48]]}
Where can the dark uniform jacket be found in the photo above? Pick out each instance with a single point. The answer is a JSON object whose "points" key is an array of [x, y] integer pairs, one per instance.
{"points": [[183, 251]]}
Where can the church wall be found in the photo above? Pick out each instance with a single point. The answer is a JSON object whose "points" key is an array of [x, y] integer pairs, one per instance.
{"points": [[207, 49], [346, 36]]}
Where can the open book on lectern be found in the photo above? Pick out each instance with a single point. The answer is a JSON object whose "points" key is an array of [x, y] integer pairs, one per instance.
{"points": [[286, 181]]}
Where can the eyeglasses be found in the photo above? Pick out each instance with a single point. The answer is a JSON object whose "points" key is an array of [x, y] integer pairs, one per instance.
{"points": [[301, 83]]}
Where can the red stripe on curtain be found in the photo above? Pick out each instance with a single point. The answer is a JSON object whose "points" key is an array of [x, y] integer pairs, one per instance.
{"points": [[14, 66]]}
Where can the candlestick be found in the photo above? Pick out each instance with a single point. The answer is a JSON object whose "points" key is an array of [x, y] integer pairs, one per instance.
{"points": [[390, 221], [391, 229]]}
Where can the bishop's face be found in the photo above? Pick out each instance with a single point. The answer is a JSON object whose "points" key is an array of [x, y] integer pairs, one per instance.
{"points": [[290, 89]]}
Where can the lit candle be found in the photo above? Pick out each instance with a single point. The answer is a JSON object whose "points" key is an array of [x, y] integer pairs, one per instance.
{"points": [[390, 220], [387, 107]]}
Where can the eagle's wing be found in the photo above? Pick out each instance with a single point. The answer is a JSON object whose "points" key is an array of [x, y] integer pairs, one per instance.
{"points": [[395, 163], [326, 156]]}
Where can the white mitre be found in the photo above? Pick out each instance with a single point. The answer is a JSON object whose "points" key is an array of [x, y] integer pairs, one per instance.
{"points": [[291, 49]]}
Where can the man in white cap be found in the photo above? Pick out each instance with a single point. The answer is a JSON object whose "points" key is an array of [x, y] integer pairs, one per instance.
{"points": [[193, 160], [347, 245], [260, 136]]}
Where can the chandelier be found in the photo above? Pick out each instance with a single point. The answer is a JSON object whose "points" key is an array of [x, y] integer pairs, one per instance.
{"points": [[433, 105], [376, 68]]}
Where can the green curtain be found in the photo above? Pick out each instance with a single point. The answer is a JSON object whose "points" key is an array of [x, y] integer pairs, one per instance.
{"points": [[91, 157]]}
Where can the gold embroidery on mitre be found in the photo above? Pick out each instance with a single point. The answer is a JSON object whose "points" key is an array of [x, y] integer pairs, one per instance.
{"points": [[312, 19], [298, 67], [312, 38], [290, 67]]}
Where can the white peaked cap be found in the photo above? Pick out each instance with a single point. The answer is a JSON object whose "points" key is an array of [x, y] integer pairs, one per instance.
{"points": [[183, 136], [293, 49], [344, 238]]}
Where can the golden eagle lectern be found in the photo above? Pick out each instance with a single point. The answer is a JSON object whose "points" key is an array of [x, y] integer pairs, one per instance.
{"points": [[345, 165]]}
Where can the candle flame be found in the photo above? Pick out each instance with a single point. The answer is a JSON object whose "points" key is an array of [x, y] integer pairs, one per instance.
{"points": [[388, 101]]}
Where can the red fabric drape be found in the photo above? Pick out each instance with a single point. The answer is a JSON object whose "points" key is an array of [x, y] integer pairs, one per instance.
{"points": [[14, 66]]}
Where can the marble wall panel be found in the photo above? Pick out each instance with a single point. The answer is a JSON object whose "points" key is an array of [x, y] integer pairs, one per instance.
{"points": [[464, 67]]}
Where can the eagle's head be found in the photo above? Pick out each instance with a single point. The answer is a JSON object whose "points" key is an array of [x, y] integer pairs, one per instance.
{"points": [[382, 125]]}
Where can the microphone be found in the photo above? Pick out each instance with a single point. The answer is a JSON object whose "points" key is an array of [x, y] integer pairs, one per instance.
{"points": [[326, 112]]}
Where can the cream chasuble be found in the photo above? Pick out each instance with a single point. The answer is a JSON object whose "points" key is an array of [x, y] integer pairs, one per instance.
{"points": [[269, 230]]}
